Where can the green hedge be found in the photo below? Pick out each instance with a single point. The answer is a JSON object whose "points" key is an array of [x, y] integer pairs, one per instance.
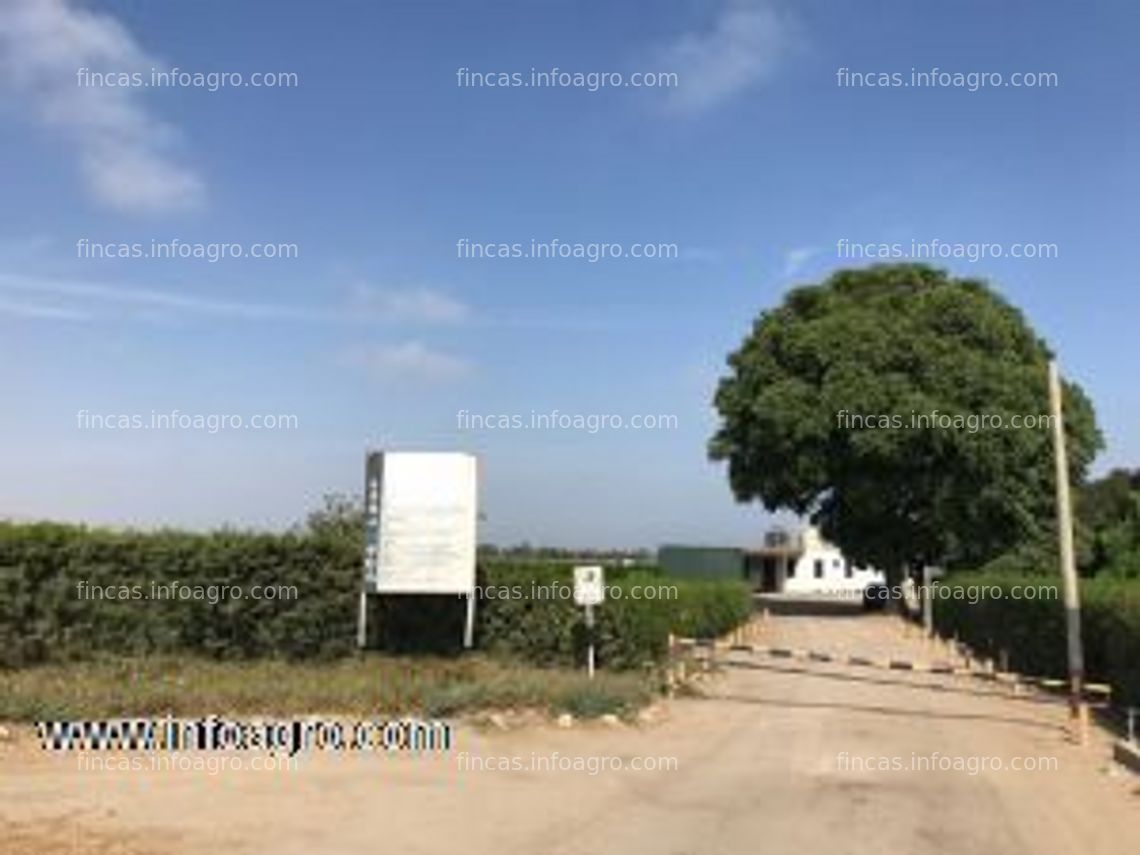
{"points": [[631, 628], [1032, 631], [43, 618], [42, 615]]}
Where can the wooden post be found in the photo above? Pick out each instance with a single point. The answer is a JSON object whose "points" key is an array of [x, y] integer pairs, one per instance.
{"points": [[1078, 709], [670, 676]]}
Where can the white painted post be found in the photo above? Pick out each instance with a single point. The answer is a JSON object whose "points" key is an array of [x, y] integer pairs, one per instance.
{"points": [[469, 626], [362, 621], [590, 649]]}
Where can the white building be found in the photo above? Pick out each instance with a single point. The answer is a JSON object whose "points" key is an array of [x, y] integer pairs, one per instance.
{"points": [[805, 563]]}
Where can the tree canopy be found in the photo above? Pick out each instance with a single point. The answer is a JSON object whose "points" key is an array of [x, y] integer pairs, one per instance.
{"points": [[820, 405], [1109, 512]]}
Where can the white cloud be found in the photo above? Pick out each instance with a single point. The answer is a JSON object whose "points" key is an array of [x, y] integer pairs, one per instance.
{"points": [[91, 292], [125, 153], [744, 45], [796, 258], [31, 310], [410, 361], [417, 305]]}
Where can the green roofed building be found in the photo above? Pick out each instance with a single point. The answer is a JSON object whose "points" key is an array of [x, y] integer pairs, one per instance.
{"points": [[701, 562], [802, 563]]}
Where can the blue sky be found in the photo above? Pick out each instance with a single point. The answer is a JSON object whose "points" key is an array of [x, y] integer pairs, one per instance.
{"points": [[377, 163]]}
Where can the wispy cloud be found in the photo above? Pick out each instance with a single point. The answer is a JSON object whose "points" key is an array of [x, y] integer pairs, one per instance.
{"points": [[97, 293], [796, 259], [418, 306], [125, 153], [409, 361], [743, 46], [32, 310]]}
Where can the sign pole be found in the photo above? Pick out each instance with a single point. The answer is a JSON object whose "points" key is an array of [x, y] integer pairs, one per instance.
{"points": [[590, 649], [469, 626], [362, 621], [589, 591], [1078, 710]]}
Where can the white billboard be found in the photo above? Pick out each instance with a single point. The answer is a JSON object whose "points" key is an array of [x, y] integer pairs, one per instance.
{"points": [[420, 522]]}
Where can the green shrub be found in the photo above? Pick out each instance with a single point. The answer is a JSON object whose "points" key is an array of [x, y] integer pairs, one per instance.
{"points": [[43, 618], [631, 629], [43, 615], [1032, 631]]}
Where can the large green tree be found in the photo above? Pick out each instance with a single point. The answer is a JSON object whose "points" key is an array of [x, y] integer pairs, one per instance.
{"points": [[1109, 512], [816, 417]]}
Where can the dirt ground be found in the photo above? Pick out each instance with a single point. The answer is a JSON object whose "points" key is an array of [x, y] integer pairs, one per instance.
{"points": [[782, 756]]}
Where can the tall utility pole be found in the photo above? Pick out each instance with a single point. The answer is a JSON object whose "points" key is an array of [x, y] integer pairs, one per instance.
{"points": [[1078, 709]]}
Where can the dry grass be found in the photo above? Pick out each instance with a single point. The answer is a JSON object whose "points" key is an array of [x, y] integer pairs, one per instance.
{"points": [[366, 685]]}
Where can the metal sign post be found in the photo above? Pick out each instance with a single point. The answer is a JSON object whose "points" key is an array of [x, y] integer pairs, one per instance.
{"points": [[589, 591], [590, 648]]}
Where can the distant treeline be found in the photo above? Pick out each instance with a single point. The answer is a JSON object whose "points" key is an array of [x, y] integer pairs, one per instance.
{"points": [[525, 551]]}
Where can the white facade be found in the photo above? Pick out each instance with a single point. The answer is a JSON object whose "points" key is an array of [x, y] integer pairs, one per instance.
{"points": [[808, 564]]}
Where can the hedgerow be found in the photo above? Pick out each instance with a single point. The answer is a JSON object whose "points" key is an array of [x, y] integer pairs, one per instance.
{"points": [[1032, 631], [46, 616]]}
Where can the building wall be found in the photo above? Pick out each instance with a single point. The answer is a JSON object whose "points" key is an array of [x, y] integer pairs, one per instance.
{"points": [[822, 568], [795, 574]]}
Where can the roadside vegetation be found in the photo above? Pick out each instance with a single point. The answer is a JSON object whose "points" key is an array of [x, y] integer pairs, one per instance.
{"points": [[68, 649], [1032, 632], [68, 593], [366, 686]]}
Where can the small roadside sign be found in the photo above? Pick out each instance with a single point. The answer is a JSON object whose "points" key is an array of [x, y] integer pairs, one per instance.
{"points": [[589, 586], [589, 591]]}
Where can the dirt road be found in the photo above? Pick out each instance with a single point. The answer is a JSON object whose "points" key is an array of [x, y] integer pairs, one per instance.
{"points": [[783, 757]]}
